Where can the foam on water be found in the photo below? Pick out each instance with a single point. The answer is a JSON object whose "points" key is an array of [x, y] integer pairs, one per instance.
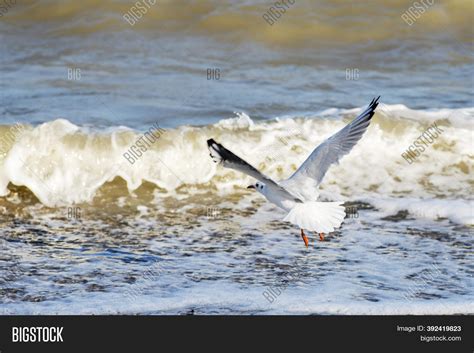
{"points": [[458, 211], [63, 164], [230, 299], [372, 268]]}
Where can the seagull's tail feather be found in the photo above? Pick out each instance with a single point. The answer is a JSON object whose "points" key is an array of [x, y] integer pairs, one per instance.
{"points": [[321, 217]]}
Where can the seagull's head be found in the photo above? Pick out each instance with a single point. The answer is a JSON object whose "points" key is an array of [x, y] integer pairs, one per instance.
{"points": [[260, 187]]}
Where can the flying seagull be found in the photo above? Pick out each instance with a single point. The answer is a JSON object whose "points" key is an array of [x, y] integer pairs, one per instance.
{"points": [[298, 194]]}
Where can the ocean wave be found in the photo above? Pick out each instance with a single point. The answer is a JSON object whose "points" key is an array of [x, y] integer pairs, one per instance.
{"points": [[64, 164], [331, 22]]}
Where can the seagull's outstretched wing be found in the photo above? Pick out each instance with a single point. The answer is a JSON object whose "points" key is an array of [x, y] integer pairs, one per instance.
{"points": [[220, 154], [312, 171]]}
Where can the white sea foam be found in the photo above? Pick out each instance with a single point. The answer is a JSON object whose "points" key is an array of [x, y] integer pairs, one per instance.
{"points": [[229, 299], [458, 211], [63, 164]]}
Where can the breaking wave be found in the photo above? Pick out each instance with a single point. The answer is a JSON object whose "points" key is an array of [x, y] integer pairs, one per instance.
{"points": [[64, 164]]}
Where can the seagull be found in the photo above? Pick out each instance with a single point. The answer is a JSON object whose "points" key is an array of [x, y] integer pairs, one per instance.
{"points": [[298, 194]]}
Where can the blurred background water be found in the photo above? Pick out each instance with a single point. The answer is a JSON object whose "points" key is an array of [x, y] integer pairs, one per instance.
{"points": [[318, 55]]}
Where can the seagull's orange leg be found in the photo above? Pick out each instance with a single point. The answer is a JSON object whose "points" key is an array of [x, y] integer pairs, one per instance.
{"points": [[321, 236], [305, 238]]}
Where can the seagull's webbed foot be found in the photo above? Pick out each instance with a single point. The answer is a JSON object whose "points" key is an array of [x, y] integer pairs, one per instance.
{"points": [[321, 236], [305, 238]]}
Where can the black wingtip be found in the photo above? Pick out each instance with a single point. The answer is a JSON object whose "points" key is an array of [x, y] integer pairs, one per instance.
{"points": [[374, 103]]}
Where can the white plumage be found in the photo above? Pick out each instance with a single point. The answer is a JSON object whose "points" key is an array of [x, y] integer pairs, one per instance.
{"points": [[298, 194], [321, 217]]}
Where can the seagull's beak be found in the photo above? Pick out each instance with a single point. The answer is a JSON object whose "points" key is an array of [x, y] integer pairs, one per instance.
{"points": [[251, 187]]}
